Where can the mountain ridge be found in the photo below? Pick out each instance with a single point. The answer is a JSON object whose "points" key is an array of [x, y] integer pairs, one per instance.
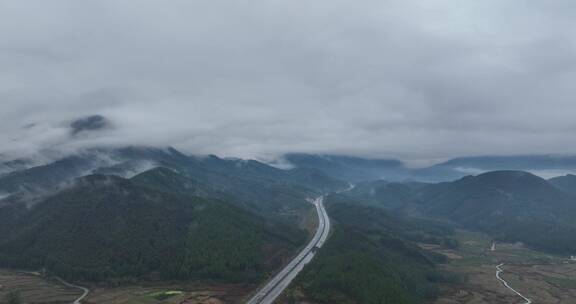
{"points": [[510, 205]]}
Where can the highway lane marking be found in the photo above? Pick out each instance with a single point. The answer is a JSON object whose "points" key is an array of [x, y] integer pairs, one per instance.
{"points": [[275, 286]]}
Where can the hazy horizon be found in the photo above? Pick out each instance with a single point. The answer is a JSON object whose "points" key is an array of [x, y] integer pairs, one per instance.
{"points": [[421, 81]]}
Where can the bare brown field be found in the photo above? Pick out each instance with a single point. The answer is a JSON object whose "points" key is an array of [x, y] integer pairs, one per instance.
{"points": [[35, 289], [190, 294], [545, 279]]}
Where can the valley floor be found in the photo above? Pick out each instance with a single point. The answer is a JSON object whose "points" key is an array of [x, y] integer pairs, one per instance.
{"points": [[180, 294], [545, 279], [35, 289]]}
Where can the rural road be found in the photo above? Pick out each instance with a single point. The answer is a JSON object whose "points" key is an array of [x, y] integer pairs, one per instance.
{"points": [[84, 289], [499, 270], [274, 287]]}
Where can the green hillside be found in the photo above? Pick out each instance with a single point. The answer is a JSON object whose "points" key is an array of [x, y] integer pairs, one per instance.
{"points": [[510, 205], [370, 259], [566, 183], [107, 227]]}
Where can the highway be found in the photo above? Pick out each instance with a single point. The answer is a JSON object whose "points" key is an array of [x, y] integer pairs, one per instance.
{"points": [[499, 270], [275, 286]]}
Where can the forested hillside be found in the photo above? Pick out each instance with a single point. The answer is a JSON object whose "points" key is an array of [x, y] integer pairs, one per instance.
{"points": [[566, 183], [510, 205], [371, 258], [107, 227], [249, 184]]}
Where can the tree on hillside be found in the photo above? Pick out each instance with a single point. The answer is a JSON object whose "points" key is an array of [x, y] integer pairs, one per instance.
{"points": [[13, 297]]}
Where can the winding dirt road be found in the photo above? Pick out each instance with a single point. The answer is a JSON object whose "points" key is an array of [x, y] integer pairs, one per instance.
{"points": [[499, 271]]}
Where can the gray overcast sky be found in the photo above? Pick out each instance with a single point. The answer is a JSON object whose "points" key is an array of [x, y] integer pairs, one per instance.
{"points": [[413, 79]]}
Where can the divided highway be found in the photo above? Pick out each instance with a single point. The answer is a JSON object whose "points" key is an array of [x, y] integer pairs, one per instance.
{"points": [[274, 287]]}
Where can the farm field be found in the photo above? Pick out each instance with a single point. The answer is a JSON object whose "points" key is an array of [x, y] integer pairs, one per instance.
{"points": [[35, 289], [543, 278], [168, 293]]}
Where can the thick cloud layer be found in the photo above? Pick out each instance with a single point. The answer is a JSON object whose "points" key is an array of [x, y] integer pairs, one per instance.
{"points": [[416, 79]]}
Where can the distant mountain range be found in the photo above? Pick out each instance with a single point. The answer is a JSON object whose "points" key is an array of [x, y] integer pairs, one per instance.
{"points": [[137, 211], [129, 161], [256, 185], [350, 168], [510, 205], [356, 169], [142, 212]]}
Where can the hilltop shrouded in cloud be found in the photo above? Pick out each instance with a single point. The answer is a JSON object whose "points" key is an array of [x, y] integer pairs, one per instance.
{"points": [[419, 80], [90, 123]]}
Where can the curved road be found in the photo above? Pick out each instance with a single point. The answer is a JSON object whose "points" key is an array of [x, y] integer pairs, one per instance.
{"points": [[274, 287], [84, 289], [499, 270]]}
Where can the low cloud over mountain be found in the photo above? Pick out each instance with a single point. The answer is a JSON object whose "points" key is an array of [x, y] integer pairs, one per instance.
{"points": [[89, 124], [418, 80]]}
